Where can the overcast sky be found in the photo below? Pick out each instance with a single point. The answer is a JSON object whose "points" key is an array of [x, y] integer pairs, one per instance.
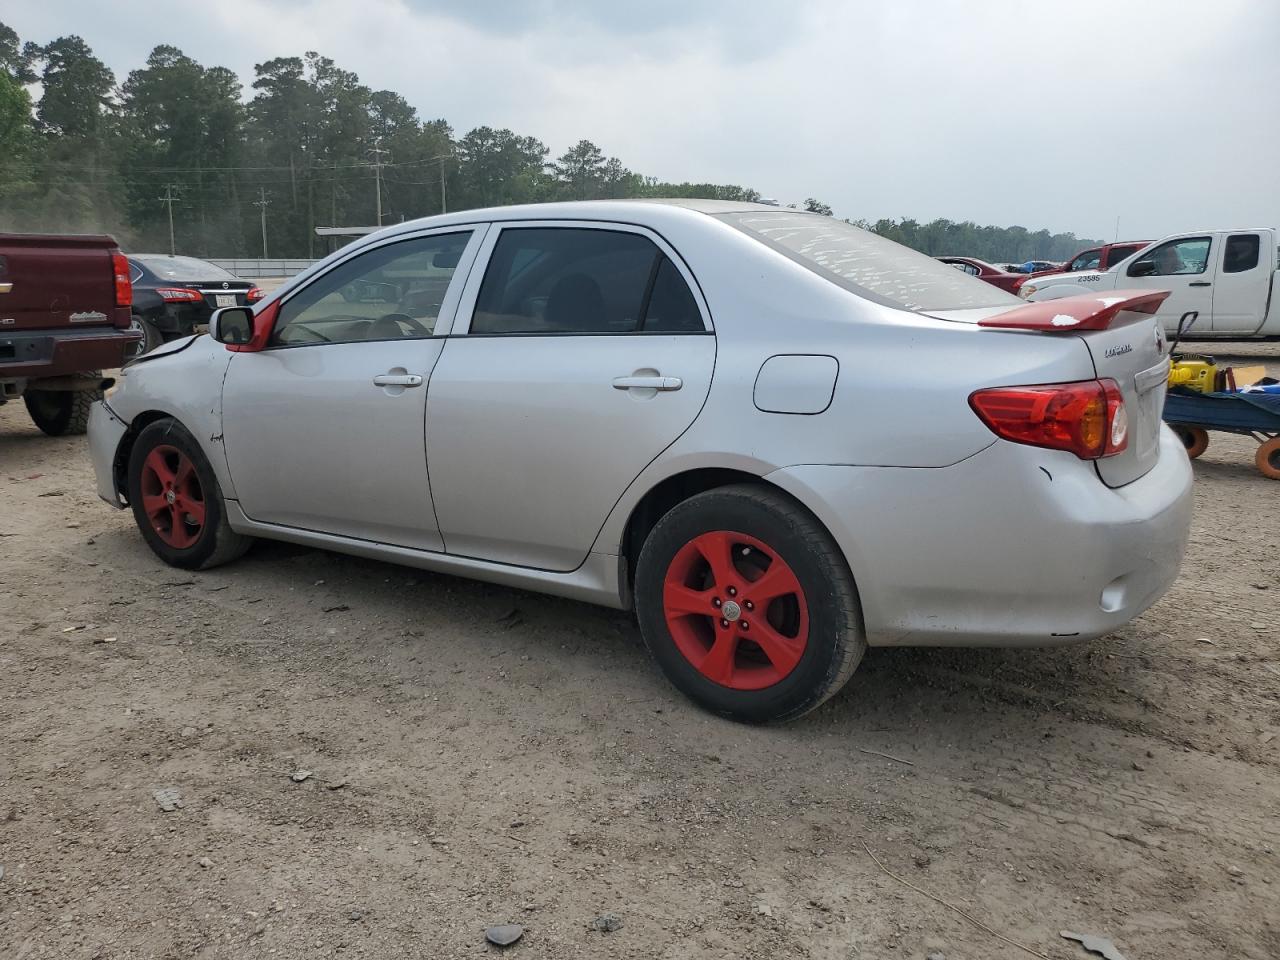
{"points": [[1047, 114]]}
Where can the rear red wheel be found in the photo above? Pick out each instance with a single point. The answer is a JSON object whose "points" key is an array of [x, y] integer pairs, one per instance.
{"points": [[172, 496], [736, 610], [747, 604]]}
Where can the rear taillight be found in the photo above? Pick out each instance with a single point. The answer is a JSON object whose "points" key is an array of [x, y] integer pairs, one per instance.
{"points": [[124, 287], [180, 295], [254, 295], [1087, 418]]}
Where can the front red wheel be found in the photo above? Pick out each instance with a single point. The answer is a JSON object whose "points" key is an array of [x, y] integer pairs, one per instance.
{"points": [[736, 610], [747, 604], [172, 497]]}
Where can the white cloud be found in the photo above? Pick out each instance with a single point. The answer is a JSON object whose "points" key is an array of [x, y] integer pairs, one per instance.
{"points": [[1161, 113]]}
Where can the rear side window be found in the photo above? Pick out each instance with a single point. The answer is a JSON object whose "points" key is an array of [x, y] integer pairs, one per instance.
{"points": [[1088, 260], [1241, 253], [868, 265], [567, 280]]}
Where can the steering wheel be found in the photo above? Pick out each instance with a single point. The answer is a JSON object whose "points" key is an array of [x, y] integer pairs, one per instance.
{"points": [[388, 327]]}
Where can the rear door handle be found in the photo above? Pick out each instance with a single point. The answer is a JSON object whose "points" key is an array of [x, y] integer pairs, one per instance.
{"points": [[397, 380], [647, 383], [1200, 283]]}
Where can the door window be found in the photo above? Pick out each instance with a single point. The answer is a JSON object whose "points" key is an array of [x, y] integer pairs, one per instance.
{"points": [[1241, 253], [963, 267], [1086, 261], [1183, 257], [389, 293], [566, 280]]}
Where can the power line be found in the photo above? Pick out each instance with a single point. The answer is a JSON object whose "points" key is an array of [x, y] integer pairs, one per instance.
{"points": [[168, 199]]}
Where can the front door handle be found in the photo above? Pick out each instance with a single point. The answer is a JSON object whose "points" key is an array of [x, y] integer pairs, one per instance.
{"points": [[397, 380], [1200, 283], [647, 383]]}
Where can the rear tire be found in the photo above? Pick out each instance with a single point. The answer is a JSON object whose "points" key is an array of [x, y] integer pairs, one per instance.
{"points": [[748, 605], [177, 502], [1268, 458], [62, 412], [1195, 439], [151, 335]]}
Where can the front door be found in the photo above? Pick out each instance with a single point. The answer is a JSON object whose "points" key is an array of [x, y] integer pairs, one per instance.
{"points": [[1185, 268], [587, 353], [323, 430]]}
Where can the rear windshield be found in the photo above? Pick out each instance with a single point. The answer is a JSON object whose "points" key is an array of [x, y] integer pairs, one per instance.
{"points": [[868, 265], [183, 268]]}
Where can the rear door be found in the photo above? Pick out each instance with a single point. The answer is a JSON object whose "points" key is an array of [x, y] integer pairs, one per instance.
{"points": [[1242, 284], [1185, 267], [585, 352]]}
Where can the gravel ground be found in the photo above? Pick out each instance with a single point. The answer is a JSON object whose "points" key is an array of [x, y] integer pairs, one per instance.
{"points": [[479, 755]]}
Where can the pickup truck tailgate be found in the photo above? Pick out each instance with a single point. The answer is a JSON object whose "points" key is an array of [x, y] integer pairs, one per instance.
{"points": [[57, 283]]}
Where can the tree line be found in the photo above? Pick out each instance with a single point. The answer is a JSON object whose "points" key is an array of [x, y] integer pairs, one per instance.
{"points": [[176, 142]]}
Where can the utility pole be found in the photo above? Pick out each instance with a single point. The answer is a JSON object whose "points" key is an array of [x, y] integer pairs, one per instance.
{"points": [[377, 152], [262, 203], [443, 207], [168, 199]]}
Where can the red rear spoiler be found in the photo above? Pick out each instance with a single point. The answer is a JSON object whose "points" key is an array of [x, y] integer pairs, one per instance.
{"points": [[1086, 312]]}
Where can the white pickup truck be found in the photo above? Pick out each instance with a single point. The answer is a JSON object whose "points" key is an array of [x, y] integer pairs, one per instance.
{"points": [[1229, 277]]}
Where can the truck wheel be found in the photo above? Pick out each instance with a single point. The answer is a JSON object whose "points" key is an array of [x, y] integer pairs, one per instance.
{"points": [[62, 412], [748, 605], [1268, 458], [177, 502]]}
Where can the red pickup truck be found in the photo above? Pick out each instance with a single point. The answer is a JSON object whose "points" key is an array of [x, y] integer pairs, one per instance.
{"points": [[1095, 258], [64, 318]]}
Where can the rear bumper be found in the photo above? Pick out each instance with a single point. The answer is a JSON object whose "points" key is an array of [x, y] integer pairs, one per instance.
{"points": [[1014, 546], [105, 432], [44, 353]]}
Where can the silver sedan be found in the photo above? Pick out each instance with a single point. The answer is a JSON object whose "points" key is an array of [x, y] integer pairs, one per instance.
{"points": [[777, 437]]}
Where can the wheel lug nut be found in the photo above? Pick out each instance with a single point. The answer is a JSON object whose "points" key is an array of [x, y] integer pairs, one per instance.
{"points": [[749, 605], [745, 625], [724, 623], [715, 601], [732, 592]]}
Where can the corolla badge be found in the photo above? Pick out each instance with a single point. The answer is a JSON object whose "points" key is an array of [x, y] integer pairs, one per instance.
{"points": [[1119, 351]]}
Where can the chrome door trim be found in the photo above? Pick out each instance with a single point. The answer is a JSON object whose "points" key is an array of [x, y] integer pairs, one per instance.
{"points": [[471, 292]]}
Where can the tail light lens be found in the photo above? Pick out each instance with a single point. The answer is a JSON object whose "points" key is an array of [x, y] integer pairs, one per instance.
{"points": [[1087, 418], [254, 295], [180, 295], [124, 286]]}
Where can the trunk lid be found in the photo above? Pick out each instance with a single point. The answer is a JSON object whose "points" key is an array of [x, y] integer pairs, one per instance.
{"points": [[223, 293], [56, 282]]}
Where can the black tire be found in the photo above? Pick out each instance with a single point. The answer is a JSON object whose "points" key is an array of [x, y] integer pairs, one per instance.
{"points": [[151, 335], [62, 413], [835, 639], [215, 542]]}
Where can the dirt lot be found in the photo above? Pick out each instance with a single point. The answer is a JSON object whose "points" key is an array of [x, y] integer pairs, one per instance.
{"points": [[481, 755]]}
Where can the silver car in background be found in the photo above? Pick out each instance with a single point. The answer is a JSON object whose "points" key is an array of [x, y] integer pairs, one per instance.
{"points": [[777, 437]]}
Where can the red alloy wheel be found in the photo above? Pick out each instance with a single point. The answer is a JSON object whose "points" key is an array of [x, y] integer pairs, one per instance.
{"points": [[736, 610], [171, 496]]}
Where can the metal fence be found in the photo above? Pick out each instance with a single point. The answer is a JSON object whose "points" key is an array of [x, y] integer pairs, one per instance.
{"points": [[253, 269]]}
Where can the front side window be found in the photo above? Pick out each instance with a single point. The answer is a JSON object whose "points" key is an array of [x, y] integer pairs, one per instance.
{"points": [[1088, 260], [1241, 253], [392, 292], [1184, 257], [868, 265], [567, 280], [963, 267]]}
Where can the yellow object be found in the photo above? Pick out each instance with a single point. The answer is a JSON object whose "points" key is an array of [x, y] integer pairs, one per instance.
{"points": [[1194, 374]]}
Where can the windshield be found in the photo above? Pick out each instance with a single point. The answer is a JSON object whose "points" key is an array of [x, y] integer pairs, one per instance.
{"points": [[183, 268], [868, 265]]}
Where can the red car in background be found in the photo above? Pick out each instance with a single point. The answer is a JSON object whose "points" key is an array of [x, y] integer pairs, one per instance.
{"points": [[987, 271], [1095, 258]]}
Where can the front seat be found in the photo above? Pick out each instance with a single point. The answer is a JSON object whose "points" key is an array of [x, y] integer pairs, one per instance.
{"points": [[575, 305]]}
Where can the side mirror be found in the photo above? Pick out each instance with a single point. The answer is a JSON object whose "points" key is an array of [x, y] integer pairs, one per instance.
{"points": [[232, 325], [1143, 268]]}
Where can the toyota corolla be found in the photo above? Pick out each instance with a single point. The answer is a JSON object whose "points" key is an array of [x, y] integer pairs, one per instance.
{"points": [[778, 438]]}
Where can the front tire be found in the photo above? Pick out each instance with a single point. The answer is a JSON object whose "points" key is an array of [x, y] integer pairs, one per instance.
{"points": [[177, 502], [748, 605], [62, 413]]}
